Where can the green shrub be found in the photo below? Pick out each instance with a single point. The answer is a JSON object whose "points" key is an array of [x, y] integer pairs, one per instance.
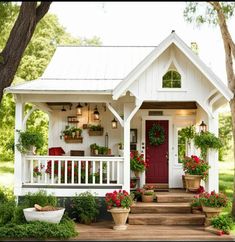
{"points": [[223, 222], [7, 211], [41, 198], [85, 207], [39, 230]]}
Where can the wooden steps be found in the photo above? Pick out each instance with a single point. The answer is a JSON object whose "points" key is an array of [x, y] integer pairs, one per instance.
{"points": [[170, 208], [166, 219], [154, 207], [177, 197]]}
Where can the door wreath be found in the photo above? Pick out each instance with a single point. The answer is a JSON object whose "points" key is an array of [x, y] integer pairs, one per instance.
{"points": [[153, 139]]}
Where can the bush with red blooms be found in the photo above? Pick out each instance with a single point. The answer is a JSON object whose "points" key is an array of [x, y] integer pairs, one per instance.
{"points": [[195, 166], [137, 161], [213, 199], [200, 190], [36, 171], [118, 199], [149, 187]]}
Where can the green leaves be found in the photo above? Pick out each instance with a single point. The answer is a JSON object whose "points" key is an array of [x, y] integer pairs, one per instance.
{"points": [[223, 222]]}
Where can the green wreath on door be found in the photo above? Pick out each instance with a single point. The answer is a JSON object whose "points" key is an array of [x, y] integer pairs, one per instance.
{"points": [[156, 140]]}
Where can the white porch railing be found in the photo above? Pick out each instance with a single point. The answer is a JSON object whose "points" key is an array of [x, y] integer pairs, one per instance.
{"points": [[73, 171]]}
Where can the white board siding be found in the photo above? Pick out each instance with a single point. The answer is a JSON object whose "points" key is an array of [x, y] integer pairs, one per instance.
{"points": [[194, 85]]}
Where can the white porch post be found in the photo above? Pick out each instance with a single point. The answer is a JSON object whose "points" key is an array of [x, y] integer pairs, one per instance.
{"points": [[129, 111], [19, 114], [213, 178]]}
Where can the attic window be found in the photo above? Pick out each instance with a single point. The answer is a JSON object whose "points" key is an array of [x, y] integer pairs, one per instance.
{"points": [[172, 79]]}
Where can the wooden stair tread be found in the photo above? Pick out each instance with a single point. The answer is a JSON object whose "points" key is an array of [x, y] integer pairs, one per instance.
{"points": [[155, 204], [176, 215]]}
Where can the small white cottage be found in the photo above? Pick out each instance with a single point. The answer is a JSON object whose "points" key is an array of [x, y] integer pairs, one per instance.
{"points": [[125, 90]]}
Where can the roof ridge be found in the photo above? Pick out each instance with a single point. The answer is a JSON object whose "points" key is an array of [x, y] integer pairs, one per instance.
{"points": [[72, 45]]}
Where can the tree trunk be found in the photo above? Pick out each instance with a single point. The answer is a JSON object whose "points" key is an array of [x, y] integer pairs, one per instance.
{"points": [[232, 106], [30, 14]]}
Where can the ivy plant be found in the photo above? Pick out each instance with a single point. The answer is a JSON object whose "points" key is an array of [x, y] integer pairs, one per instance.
{"points": [[207, 140]]}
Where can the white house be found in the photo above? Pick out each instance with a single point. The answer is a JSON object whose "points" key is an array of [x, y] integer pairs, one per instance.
{"points": [[140, 86]]}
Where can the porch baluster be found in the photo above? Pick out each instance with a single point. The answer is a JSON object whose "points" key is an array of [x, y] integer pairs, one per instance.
{"points": [[108, 171], [79, 172], [113, 163], [39, 169], [52, 171], [118, 172], [59, 171], [66, 171], [86, 180], [93, 172], [72, 180], [31, 171], [101, 172]]}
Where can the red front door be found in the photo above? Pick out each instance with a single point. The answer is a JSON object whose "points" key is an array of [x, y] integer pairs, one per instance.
{"points": [[157, 155]]}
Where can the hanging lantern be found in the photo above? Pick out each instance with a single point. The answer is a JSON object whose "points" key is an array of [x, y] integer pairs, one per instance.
{"points": [[63, 109], [96, 114], [79, 109], [202, 127], [114, 123]]}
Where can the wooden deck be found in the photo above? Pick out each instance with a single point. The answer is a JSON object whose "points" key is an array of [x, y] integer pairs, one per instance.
{"points": [[102, 231]]}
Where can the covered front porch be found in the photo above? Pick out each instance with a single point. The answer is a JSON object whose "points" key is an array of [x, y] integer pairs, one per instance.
{"points": [[78, 168]]}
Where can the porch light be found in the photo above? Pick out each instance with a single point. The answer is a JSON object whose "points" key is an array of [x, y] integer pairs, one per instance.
{"points": [[63, 109], [79, 109], [202, 127], [114, 123], [96, 114]]}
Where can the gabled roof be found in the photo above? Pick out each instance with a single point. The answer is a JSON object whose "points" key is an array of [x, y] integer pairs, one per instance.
{"points": [[107, 69], [86, 68], [173, 38]]}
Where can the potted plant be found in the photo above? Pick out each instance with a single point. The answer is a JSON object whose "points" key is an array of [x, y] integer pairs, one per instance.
{"points": [[137, 163], [195, 170], [205, 141], [72, 134], [147, 196], [196, 205], [221, 224], [118, 204], [29, 141], [95, 130], [37, 173]]}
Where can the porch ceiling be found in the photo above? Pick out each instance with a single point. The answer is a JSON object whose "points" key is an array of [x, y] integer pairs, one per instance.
{"points": [[169, 105]]}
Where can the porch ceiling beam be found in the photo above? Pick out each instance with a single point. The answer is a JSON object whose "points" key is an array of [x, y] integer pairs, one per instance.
{"points": [[114, 112]]}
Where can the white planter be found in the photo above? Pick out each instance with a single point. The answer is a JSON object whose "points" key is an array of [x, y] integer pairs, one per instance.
{"points": [[45, 216]]}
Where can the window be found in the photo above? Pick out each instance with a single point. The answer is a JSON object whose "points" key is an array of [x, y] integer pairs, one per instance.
{"points": [[181, 146], [172, 79]]}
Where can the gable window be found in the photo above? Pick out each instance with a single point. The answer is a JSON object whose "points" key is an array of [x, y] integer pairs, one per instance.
{"points": [[172, 79]]}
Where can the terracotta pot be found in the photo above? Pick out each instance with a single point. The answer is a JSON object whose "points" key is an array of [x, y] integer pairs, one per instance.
{"points": [[137, 173], [211, 211], [147, 198], [192, 182], [120, 216]]}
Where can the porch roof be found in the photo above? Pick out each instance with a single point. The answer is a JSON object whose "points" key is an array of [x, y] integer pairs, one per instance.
{"points": [[86, 68]]}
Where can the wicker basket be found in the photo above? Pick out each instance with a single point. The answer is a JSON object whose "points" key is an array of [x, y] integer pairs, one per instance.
{"points": [[96, 132]]}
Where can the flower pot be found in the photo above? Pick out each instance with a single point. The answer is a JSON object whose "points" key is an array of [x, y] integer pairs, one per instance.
{"points": [[210, 212], [32, 150], [192, 182], [31, 214], [147, 198], [137, 173], [120, 217]]}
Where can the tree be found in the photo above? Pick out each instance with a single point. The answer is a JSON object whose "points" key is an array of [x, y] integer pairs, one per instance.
{"points": [[29, 16], [218, 13]]}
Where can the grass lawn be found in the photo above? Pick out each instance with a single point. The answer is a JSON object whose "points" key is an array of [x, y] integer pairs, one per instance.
{"points": [[6, 173]]}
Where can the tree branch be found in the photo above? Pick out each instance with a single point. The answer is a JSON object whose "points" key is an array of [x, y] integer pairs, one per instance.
{"points": [[41, 10]]}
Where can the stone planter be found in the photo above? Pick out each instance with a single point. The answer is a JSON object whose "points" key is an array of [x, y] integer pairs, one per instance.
{"points": [[192, 182], [120, 217], [45, 216], [210, 212], [147, 198]]}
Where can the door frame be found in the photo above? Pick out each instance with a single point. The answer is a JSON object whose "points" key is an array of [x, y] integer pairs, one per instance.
{"points": [[170, 145]]}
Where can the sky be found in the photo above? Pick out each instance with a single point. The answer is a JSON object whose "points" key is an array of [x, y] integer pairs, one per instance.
{"points": [[140, 23]]}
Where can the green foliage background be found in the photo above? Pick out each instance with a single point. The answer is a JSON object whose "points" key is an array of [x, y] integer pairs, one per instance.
{"points": [[49, 33]]}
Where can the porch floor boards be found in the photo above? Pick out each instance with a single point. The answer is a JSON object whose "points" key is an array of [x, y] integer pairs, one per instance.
{"points": [[102, 231]]}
